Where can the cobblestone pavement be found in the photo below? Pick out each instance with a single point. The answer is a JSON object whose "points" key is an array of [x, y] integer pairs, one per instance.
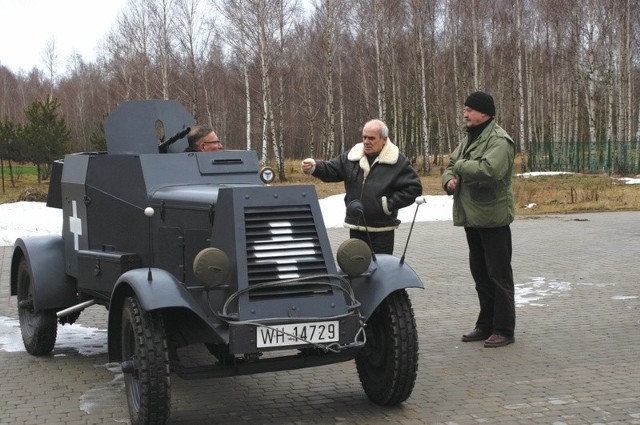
{"points": [[576, 359]]}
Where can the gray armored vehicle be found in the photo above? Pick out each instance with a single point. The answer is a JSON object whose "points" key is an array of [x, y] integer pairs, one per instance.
{"points": [[187, 248]]}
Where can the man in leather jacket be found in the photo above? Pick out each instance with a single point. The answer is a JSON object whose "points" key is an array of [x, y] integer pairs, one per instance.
{"points": [[378, 181]]}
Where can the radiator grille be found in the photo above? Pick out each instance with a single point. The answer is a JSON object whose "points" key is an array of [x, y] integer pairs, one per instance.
{"points": [[282, 244]]}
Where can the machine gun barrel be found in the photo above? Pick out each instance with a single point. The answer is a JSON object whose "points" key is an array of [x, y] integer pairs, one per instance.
{"points": [[162, 147]]}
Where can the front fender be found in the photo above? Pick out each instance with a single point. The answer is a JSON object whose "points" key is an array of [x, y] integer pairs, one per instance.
{"points": [[162, 291], [52, 288], [385, 275]]}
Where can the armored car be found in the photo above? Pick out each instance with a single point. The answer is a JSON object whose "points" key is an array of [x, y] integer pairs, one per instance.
{"points": [[198, 248]]}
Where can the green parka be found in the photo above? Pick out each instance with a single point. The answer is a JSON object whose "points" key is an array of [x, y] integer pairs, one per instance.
{"points": [[483, 197]]}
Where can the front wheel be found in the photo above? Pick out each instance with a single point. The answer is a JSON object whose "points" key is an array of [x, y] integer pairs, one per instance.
{"points": [[145, 364], [388, 363], [39, 328]]}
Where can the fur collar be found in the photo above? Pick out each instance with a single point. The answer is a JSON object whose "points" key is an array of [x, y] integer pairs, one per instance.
{"points": [[388, 155]]}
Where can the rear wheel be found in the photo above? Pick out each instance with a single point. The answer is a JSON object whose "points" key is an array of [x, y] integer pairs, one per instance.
{"points": [[38, 327], [145, 364], [388, 363]]}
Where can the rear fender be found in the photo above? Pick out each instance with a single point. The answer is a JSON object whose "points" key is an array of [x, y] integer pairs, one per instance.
{"points": [[52, 288], [162, 291], [385, 275]]}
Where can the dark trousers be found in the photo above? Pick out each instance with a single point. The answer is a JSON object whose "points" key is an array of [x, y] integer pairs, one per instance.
{"points": [[490, 262], [381, 242]]}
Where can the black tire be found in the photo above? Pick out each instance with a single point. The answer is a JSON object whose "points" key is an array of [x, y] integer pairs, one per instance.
{"points": [[388, 363], [144, 345], [39, 328]]}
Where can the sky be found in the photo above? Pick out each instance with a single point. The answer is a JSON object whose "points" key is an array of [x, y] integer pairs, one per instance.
{"points": [[27, 26]]}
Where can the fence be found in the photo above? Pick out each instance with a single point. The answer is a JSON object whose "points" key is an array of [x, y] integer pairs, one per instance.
{"points": [[612, 157]]}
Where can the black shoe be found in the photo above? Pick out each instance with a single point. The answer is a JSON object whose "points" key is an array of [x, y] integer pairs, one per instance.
{"points": [[496, 340], [476, 335]]}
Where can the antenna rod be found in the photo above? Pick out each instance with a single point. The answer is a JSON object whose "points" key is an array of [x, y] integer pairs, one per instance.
{"points": [[419, 201], [366, 230], [355, 210], [149, 213]]}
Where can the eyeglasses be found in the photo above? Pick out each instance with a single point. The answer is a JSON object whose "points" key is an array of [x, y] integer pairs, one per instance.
{"points": [[217, 142]]}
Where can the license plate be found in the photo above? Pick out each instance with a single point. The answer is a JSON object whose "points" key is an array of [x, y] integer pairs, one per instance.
{"points": [[296, 334]]}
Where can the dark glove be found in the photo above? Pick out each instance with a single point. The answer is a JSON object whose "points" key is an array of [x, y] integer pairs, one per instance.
{"points": [[354, 209]]}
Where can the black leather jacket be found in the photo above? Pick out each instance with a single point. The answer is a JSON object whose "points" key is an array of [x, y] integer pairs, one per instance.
{"points": [[385, 186]]}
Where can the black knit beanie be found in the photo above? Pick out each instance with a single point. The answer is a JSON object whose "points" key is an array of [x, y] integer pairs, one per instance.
{"points": [[481, 102]]}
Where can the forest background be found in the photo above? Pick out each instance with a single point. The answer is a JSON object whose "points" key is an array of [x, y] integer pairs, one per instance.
{"points": [[293, 79]]}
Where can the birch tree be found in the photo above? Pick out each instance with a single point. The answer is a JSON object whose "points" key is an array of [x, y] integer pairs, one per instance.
{"points": [[378, 29], [194, 37], [285, 13], [625, 78], [519, 74], [50, 56], [304, 89], [416, 8], [327, 17], [474, 31], [162, 26], [128, 45], [264, 53], [258, 25], [637, 164], [239, 37], [560, 70], [589, 67]]}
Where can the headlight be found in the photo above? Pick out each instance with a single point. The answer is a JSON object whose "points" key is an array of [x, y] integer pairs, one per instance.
{"points": [[211, 267], [267, 175], [354, 257]]}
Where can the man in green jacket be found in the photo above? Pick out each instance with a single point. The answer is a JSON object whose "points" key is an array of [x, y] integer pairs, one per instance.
{"points": [[479, 178]]}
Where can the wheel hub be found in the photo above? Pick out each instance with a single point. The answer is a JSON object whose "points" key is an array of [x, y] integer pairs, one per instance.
{"points": [[129, 367]]}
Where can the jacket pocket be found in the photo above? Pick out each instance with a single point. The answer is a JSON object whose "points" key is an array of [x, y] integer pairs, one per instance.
{"points": [[483, 192]]}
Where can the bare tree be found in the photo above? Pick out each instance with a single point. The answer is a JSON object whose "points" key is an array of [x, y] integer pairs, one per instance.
{"points": [[259, 25], [474, 30], [564, 74], [162, 28], [265, 49], [238, 35], [285, 14], [637, 164], [591, 73], [457, 87], [304, 89], [193, 33], [327, 19], [129, 45], [625, 77], [519, 74], [50, 56], [417, 12], [378, 29]]}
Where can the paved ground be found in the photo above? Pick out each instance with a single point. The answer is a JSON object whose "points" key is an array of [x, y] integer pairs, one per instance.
{"points": [[576, 359]]}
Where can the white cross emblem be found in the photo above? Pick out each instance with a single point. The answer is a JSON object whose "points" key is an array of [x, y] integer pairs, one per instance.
{"points": [[75, 225]]}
